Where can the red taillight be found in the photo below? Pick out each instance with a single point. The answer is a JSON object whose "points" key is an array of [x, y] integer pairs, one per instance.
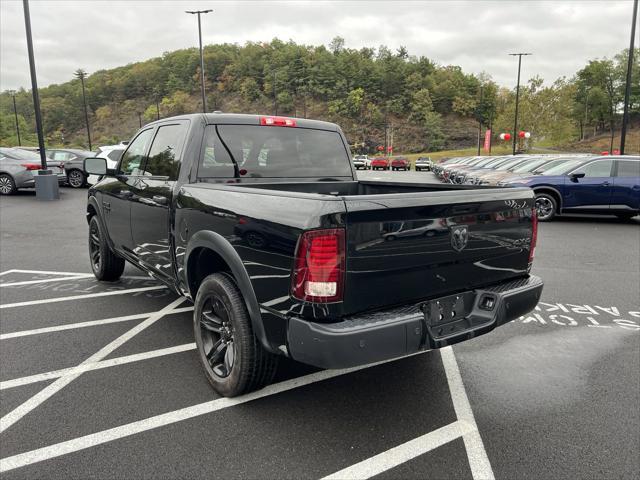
{"points": [[534, 233], [32, 166], [318, 274], [277, 122]]}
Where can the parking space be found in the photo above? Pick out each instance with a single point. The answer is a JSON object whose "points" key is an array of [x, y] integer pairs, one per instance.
{"points": [[102, 380]]}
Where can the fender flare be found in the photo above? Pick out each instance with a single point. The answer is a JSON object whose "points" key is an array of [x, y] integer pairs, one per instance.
{"points": [[221, 246], [553, 189]]}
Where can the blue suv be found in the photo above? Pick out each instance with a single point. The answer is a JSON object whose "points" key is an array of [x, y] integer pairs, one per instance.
{"points": [[602, 185]]}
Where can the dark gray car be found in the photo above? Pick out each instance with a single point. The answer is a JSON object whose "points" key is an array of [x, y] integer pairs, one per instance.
{"points": [[73, 164], [18, 166]]}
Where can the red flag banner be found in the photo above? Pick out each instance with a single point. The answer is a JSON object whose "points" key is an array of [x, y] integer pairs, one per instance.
{"points": [[487, 140]]}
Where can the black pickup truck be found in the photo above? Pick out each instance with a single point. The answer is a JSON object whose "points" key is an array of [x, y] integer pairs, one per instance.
{"points": [[262, 222]]}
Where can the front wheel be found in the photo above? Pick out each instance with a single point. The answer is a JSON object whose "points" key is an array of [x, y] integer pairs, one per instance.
{"points": [[76, 179], [105, 264], [546, 207], [233, 359], [7, 185]]}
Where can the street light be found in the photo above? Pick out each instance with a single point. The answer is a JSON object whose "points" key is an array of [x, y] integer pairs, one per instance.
{"points": [[515, 122], [15, 113], [81, 74], [46, 182], [627, 90], [204, 98]]}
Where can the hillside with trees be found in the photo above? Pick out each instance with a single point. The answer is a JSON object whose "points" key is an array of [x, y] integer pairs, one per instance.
{"points": [[369, 92]]}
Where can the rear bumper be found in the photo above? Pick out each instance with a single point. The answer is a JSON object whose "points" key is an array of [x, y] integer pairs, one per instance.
{"points": [[404, 330]]}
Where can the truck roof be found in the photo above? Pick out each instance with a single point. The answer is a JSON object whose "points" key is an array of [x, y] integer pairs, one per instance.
{"points": [[250, 119]]}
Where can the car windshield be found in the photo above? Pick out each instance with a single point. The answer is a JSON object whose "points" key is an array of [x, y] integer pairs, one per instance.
{"points": [[564, 167], [530, 165], [19, 154]]}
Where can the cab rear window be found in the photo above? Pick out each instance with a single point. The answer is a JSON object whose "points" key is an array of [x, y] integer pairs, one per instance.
{"points": [[254, 151]]}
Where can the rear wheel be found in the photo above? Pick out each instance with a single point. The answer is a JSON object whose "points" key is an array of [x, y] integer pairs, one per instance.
{"points": [[7, 185], [105, 264], [546, 206], [76, 178], [233, 359]]}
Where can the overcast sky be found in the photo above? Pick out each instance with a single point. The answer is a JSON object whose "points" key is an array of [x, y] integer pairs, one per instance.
{"points": [[477, 35]]}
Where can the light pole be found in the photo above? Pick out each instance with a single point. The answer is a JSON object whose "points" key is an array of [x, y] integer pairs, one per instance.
{"points": [[46, 182], [627, 90], [515, 122], [15, 114], [480, 118], [204, 98], [81, 74]]}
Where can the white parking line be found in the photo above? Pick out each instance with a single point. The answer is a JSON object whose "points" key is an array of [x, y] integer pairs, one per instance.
{"points": [[402, 453], [90, 323], [478, 460], [105, 436], [47, 272], [6, 272], [23, 409], [81, 297], [46, 280], [86, 367]]}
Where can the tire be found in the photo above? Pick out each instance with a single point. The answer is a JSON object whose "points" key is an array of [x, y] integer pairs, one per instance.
{"points": [[105, 264], [7, 185], [76, 178], [231, 356], [546, 206]]}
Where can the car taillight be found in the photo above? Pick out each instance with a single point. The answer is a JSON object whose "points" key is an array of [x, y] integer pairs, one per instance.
{"points": [[319, 269], [534, 233], [31, 166], [277, 122]]}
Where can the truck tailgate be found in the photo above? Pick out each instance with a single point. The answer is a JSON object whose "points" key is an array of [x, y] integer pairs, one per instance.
{"points": [[414, 246]]}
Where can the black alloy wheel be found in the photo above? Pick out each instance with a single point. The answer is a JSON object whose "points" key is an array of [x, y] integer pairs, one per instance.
{"points": [[546, 207], [216, 330]]}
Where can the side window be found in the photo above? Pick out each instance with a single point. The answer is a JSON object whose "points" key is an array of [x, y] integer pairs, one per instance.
{"points": [[214, 159], [164, 155], [600, 168], [132, 158], [628, 168]]}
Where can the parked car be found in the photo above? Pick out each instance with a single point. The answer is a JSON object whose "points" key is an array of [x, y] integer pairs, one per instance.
{"points": [[362, 161], [424, 163], [400, 163], [389, 302], [527, 167], [380, 163], [112, 154], [73, 160], [17, 168], [607, 185]]}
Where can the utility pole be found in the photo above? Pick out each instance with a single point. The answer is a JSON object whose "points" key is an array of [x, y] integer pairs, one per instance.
{"points": [[204, 97], [81, 74], [275, 95], [480, 118], [515, 121], [140, 119], [627, 90], [15, 113], [46, 182]]}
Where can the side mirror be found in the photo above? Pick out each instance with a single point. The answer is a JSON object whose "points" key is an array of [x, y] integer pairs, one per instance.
{"points": [[576, 175], [95, 166]]}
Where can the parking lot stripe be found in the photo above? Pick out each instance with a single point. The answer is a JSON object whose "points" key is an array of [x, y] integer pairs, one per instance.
{"points": [[90, 323], [402, 453], [23, 409], [86, 367], [476, 453], [46, 280], [6, 272], [105, 436], [81, 297], [48, 272]]}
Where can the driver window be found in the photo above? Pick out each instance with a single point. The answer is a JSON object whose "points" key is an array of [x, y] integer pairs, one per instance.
{"points": [[132, 158], [598, 169]]}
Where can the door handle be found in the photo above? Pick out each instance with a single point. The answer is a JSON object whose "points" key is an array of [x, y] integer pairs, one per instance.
{"points": [[126, 193], [159, 199], [605, 184]]}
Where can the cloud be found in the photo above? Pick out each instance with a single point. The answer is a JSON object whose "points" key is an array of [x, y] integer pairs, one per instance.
{"points": [[477, 35]]}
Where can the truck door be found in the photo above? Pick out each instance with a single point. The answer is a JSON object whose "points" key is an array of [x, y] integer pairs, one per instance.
{"points": [[151, 209], [118, 193], [593, 191], [626, 186]]}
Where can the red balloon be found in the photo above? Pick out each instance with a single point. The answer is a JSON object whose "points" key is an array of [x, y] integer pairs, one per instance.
{"points": [[390, 149], [507, 136], [604, 153], [380, 148], [616, 152], [521, 134]]}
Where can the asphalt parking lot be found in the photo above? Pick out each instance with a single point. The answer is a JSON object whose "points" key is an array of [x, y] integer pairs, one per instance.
{"points": [[102, 380]]}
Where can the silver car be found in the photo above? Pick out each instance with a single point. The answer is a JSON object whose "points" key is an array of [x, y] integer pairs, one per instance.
{"points": [[17, 168]]}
